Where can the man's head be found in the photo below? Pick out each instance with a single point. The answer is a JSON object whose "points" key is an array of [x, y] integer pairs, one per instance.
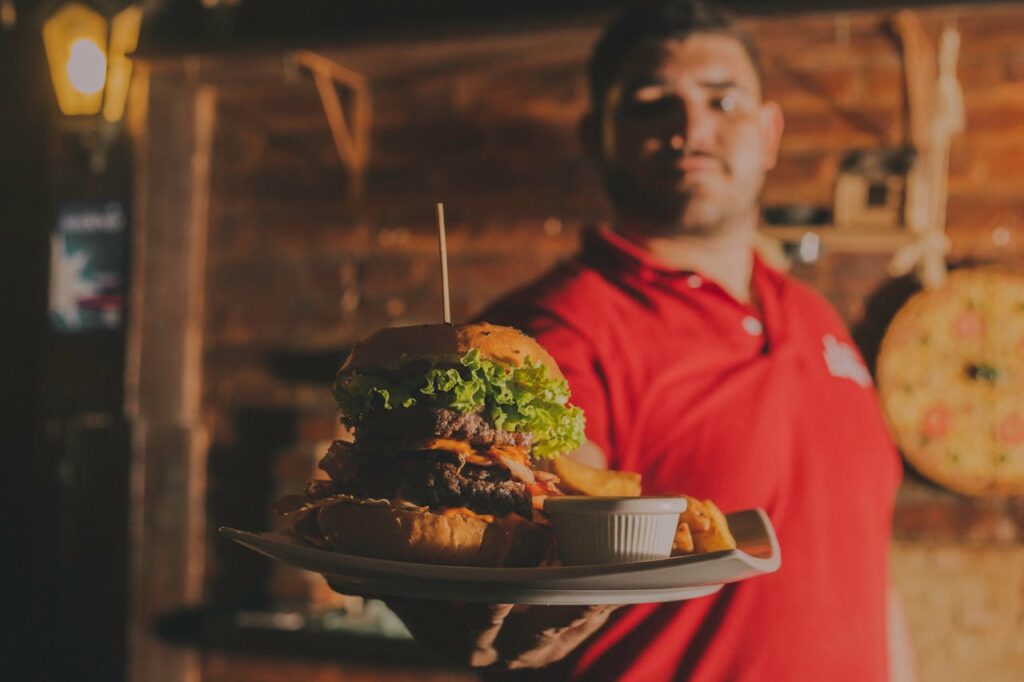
{"points": [[677, 118]]}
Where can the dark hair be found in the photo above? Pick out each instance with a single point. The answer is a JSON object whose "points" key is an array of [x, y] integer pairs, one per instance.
{"points": [[655, 21]]}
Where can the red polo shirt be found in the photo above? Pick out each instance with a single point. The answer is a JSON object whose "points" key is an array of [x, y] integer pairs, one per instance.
{"points": [[769, 407]]}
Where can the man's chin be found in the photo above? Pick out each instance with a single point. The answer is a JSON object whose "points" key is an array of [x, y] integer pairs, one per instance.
{"points": [[686, 217], [700, 218], [674, 210]]}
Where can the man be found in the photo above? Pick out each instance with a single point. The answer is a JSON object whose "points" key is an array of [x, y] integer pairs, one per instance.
{"points": [[709, 373]]}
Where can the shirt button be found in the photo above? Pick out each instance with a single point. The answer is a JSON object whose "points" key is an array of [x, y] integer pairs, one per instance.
{"points": [[752, 325], [694, 281]]}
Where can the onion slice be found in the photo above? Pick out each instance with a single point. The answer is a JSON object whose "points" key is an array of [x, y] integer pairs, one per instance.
{"points": [[519, 469]]}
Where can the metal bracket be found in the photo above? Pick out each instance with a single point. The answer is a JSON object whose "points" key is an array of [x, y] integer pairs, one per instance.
{"points": [[350, 129]]}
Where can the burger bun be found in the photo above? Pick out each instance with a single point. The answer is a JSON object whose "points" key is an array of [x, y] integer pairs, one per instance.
{"points": [[392, 348], [422, 536]]}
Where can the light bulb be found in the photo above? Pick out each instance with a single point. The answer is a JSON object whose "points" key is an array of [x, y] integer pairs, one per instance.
{"points": [[87, 66]]}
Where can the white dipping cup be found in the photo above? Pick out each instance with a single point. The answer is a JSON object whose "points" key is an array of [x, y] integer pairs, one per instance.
{"points": [[613, 530]]}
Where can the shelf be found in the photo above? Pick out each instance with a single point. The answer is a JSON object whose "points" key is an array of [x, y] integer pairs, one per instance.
{"points": [[291, 633], [844, 240]]}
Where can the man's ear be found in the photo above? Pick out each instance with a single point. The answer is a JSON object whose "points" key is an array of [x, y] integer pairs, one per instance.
{"points": [[772, 124], [588, 130]]}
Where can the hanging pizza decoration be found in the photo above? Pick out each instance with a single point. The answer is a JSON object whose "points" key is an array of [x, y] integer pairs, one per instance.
{"points": [[951, 378]]}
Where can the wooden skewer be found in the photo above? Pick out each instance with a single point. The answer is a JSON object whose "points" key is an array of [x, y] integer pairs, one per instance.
{"points": [[444, 264]]}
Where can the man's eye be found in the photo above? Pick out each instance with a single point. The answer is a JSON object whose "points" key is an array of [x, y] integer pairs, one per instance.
{"points": [[724, 103], [634, 108]]}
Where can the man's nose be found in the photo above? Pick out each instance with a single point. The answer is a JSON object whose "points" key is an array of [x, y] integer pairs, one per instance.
{"points": [[693, 125]]}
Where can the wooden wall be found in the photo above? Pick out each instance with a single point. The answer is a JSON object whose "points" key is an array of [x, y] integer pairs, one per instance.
{"points": [[489, 129], [839, 82]]}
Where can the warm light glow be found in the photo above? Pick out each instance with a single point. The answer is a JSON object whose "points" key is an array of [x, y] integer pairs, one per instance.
{"points": [[8, 14], [124, 38], [87, 66], [75, 37], [88, 57]]}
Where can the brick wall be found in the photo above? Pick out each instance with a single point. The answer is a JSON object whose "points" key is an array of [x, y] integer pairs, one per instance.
{"points": [[965, 609], [297, 270], [294, 264], [839, 81]]}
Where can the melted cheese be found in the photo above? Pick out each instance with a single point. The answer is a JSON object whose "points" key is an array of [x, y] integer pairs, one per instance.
{"points": [[466, 511], [459, 447], [511, 451], [479, 457]]}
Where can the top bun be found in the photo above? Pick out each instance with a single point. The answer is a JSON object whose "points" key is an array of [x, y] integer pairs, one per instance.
{"points": [[390, 349]]}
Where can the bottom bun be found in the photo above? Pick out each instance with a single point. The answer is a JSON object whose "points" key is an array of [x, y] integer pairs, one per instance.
{"points": [[422, 536]]}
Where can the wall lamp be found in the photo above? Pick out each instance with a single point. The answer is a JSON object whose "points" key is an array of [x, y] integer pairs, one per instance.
{"points": [[87, 48]]}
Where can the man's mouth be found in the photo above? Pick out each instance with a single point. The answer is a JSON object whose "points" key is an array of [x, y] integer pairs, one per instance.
{"points": [[697, 165]]}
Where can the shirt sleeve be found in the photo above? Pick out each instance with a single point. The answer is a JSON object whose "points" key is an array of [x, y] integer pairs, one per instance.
{"points": [[576, 358]]}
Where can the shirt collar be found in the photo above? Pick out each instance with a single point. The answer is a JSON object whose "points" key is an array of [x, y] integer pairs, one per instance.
{"points": [[609, 250], [602, 246], [623, 261]]}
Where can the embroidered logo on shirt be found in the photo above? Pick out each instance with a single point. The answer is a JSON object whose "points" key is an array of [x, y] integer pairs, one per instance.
{"points": [[843, 362]]}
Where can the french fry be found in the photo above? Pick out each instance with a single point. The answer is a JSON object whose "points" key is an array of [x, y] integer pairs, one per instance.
{"points": [[701, 528], [577, 478], [696, 515], [717, 537], [683, 541]]}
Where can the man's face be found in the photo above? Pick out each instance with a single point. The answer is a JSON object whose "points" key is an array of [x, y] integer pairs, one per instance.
{"points": [[686, 136]]}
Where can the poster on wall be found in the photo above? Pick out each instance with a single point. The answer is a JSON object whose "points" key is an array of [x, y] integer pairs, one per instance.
{"points": [[87, 266]]}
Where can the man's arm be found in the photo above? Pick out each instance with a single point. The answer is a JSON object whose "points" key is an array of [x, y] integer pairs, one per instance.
{"points": [[499, 636]]}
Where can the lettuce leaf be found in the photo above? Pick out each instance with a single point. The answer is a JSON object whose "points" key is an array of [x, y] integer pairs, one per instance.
{"points": [[524, 399]]}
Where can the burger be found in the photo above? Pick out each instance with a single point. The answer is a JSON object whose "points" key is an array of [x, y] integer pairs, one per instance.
{"points": [[446, 424]]}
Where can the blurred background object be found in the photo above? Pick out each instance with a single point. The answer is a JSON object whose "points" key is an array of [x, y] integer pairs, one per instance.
{"points": [[870, 188], [951, 381]]}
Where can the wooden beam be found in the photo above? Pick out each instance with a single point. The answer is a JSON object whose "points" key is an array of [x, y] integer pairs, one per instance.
{"points": [[163, 373], [919, 75], [935, 112]]}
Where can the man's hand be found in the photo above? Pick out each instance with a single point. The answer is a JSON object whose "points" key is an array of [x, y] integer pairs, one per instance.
{"points": [[499, 635]]}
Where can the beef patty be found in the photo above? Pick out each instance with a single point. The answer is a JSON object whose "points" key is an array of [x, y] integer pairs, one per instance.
{"points": [[433, 479], [382, 427]]}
